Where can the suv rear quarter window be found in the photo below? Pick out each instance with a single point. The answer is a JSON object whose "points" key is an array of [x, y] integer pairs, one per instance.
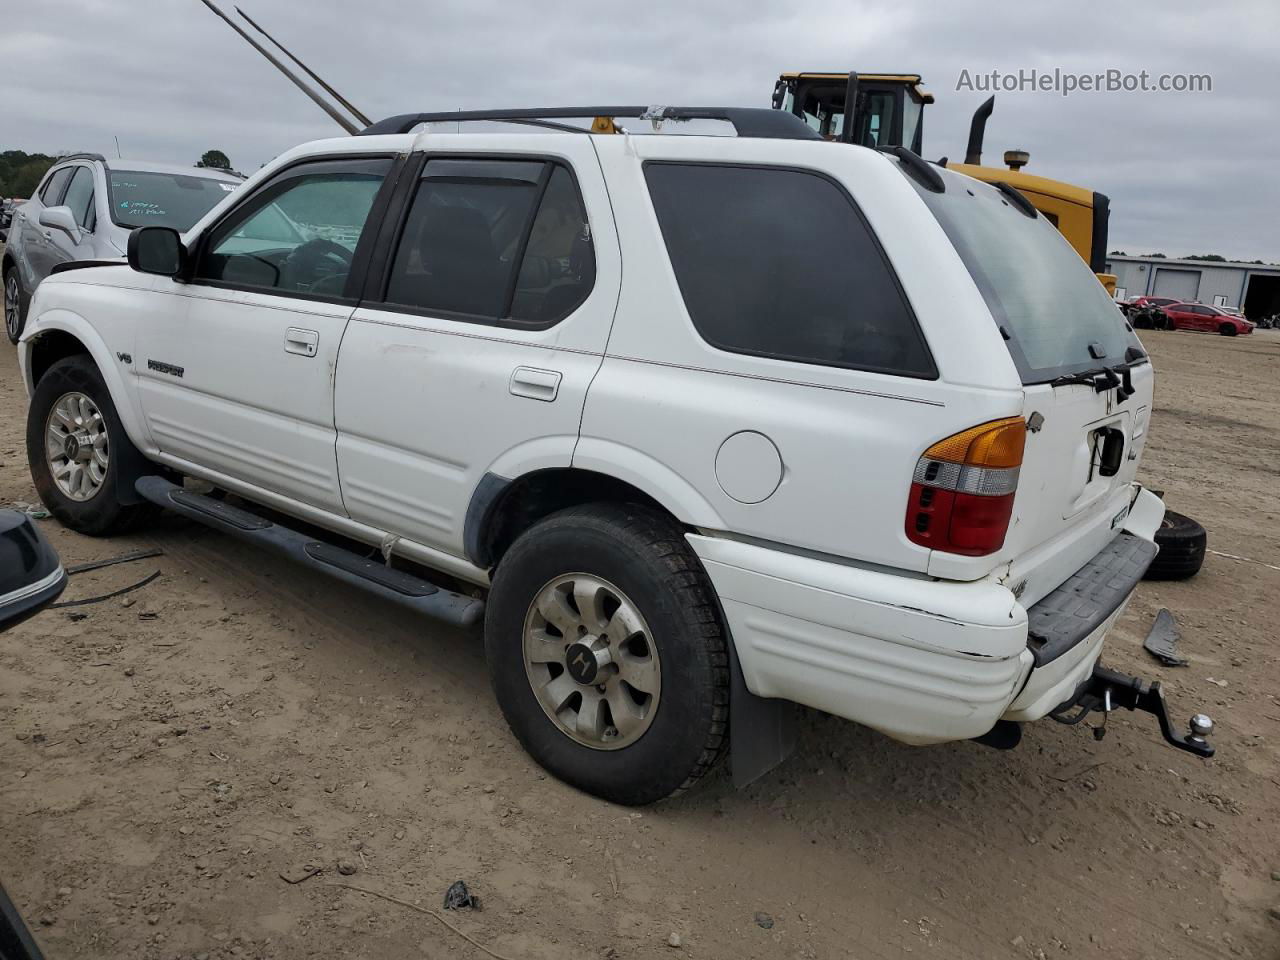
{"points": [[780, 263]]}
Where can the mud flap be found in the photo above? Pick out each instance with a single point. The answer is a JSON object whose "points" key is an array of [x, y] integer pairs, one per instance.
{"points": [[762, 731], [131, 466]]}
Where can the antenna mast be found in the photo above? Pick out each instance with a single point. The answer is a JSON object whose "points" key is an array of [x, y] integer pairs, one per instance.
{"points": [[319, 101], [309, 72]]}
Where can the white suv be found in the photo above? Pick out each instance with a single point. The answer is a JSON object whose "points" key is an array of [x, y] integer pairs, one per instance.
{"points": [[707, 423]]}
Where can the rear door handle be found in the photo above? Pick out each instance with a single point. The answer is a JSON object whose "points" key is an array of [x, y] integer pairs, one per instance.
{"points": [[535, 384], [300, 341]]}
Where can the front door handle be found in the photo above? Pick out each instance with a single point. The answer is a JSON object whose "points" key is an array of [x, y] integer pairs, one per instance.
{"points": [[300, 341], [535, 384]]}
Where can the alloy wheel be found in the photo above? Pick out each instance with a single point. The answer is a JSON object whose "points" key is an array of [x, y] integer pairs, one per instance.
{"points": [[591, 661], [11, 305], [76, 447]]}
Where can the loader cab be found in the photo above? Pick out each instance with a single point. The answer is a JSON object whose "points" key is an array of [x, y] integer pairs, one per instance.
{"points": [[889, 110]]}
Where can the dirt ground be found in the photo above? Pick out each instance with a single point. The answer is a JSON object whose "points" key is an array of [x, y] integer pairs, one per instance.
{"points": [[164, 760]]}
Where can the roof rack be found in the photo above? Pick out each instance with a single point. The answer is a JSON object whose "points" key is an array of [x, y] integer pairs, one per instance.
{"points": [[81, 156], [747, 121]]}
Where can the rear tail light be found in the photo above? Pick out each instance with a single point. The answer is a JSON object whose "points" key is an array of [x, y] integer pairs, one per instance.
{"points": [[963, 488]]}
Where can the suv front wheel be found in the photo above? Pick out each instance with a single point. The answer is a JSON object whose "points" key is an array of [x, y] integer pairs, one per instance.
{"points": [[607, 654], [75, 448]]}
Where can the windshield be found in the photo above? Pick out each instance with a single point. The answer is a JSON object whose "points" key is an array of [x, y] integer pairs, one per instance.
{"points": [[1057, 318], [146, 199]]}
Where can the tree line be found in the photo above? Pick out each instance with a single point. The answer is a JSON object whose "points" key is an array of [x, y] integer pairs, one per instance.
{"points": [[21, 171]]}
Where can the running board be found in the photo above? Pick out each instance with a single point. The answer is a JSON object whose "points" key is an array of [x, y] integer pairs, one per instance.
{"points": [[342, 564]]}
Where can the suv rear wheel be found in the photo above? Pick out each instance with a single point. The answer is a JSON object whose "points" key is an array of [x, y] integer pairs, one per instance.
{"points": [[607, 653], [75, 447], [14, 317]]}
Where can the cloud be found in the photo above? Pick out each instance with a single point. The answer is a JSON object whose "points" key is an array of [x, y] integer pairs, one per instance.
{"points": [[1186, 173]]}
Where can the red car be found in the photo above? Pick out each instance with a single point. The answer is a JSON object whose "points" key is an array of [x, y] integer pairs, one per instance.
{"points": [[1198, 316]]}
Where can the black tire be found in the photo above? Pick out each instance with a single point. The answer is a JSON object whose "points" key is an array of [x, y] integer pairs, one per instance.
{"points": [[15, 314], [1227, 330], [102, 514], [645, 555], [1182, 544]]}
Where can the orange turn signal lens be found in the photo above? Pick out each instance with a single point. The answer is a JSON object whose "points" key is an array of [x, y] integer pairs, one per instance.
{"points": [[996, 444]]}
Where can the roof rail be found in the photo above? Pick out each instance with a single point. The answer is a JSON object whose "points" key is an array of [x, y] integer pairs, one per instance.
{"points": [[747, 121], [81, 156]]}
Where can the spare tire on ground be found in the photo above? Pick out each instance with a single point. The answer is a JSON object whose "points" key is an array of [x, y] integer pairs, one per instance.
{"points": [[1182, 544]]}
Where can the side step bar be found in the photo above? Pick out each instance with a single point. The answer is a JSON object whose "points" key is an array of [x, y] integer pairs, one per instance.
{"points": [[394, 585]]}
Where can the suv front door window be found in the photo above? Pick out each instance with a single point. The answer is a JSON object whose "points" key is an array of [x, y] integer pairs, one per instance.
{"points": [[51, 192], [78, 197], [299, 237]]}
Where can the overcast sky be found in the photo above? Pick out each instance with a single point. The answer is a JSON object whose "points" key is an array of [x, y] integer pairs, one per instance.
{"points": [[1186, 172]]}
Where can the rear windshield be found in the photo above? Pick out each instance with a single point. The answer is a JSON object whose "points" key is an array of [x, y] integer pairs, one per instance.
{"points": [[144, 199], [1056, 317]]}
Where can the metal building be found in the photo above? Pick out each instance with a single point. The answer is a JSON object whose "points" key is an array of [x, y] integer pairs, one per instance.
{"points": [[1251, 287]]}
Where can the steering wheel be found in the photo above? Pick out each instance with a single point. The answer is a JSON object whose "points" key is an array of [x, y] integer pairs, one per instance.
{"points": [[313, 262]]}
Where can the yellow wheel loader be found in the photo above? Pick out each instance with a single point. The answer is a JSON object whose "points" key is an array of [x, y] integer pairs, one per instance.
{"points": [[889, 112]]}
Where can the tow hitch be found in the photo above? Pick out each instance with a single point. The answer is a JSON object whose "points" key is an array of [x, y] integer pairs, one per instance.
{"points": [[1105, 690]]}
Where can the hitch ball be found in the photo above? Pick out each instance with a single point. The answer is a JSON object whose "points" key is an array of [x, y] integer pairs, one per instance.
{"points": [[1201, 727]]}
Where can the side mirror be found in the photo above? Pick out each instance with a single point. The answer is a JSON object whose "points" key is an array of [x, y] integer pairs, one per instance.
{"points": [[61, 218], [31, 575], [157, 250]]}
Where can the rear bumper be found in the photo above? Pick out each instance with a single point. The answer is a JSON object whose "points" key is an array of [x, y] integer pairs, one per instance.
{"points": [[919, 659]]}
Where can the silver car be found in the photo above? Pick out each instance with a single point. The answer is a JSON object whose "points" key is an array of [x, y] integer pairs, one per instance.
{"points": [[85, 208]]}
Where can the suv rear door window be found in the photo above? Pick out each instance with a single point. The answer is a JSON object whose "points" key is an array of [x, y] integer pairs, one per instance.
{"points": [[775, 262], [559, 263], [473, 223]]}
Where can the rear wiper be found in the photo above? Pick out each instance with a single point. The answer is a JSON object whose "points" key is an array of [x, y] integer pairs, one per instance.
{"points": [[1102, 379]]}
